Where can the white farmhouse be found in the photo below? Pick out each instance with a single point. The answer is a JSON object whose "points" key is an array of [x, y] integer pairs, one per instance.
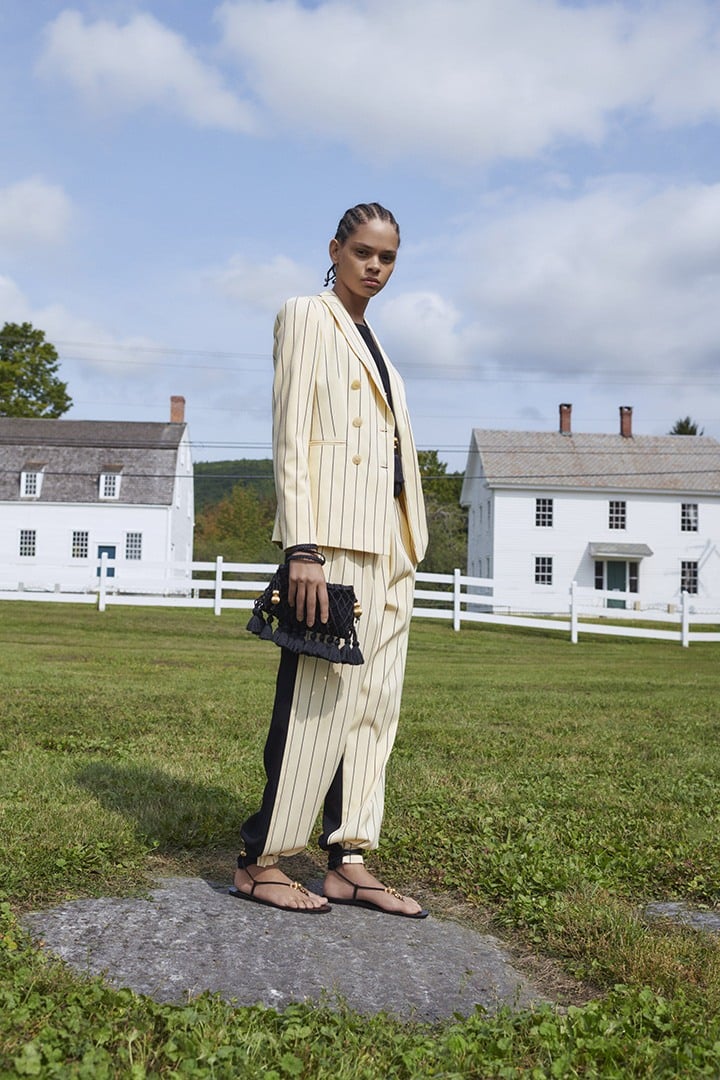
{"points": [[633, 513], [71, 490]]}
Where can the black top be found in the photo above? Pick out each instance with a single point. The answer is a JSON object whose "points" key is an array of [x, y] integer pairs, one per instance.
{"points": [[377, 356]]}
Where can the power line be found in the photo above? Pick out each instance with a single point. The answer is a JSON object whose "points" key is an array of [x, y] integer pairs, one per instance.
{"points": [[496, 477], [420, 372], [265, 410], [166, 350]]}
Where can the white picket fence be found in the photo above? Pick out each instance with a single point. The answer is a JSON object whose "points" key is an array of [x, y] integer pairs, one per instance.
{"points": [[456, 597]]}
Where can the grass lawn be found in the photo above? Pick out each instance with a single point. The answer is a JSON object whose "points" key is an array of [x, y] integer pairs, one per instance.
{"points": [[544, 790]]}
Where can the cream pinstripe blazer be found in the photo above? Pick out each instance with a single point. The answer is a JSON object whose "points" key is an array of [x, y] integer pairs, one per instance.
{"points": [[333, 434]]}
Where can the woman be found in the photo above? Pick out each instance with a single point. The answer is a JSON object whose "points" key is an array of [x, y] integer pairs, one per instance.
{"points": [[350, 510]]}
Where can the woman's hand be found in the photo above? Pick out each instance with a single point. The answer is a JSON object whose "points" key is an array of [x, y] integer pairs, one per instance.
{"points": [[307, 591]]}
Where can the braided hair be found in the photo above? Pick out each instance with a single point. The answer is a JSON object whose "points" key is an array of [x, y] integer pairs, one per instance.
{"points": [[353, 218]]}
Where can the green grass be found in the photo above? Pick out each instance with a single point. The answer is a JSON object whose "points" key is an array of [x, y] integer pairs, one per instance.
{"points": [[545, 790]]}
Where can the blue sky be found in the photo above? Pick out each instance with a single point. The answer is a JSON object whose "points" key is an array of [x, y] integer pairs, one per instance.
{"points": [[172, 171]]}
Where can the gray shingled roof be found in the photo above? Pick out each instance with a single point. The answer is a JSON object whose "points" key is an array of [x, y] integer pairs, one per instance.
{"points": [[75, 452], [686, 464], [109, 433]]}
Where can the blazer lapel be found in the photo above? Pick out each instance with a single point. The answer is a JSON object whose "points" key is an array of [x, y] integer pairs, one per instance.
{"points": [[353, 336]]}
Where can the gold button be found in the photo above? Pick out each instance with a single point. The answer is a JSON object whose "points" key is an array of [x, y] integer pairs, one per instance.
{"points": [[356, 459], [355, 384], [358, 421]]}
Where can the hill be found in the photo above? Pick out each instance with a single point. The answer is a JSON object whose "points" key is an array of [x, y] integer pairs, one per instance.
{"points": [[214, 480]]}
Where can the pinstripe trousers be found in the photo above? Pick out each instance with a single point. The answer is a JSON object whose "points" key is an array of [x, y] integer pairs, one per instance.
{"points": [[333, 725]]}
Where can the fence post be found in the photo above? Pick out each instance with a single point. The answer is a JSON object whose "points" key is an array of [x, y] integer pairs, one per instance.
{"points": [[456, 599], [685, 620], [102, 586], [573, 613], [218, 584]]}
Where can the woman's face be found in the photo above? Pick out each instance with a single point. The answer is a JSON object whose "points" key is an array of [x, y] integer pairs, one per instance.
{"points": [[366, 260]]}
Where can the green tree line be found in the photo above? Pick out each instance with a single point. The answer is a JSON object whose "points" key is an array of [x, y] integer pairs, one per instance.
{"points": [[235, 508]]}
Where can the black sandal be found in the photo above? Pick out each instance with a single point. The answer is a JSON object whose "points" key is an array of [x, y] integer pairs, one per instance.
{"points": [[238, 894], [369, 904]]}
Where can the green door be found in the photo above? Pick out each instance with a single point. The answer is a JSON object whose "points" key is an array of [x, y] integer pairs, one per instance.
{"points": [[109, 550], [617, 579]]}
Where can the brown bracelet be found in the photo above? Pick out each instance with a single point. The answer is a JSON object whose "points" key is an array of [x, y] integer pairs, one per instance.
{"points": [[307, 556]]}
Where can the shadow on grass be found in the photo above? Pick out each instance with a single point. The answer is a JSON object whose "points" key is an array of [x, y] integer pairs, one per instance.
{"points": [[169, 813]]}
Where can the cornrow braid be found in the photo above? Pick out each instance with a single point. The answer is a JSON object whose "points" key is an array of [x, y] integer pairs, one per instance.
{"points": [[353, 218]]}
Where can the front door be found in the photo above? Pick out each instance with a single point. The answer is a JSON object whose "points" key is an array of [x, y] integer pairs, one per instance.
{"points": [[616, 581], [109, 550]]}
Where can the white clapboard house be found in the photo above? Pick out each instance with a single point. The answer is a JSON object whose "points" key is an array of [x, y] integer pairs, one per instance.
{"points": [[71, 490], [632, 513]]}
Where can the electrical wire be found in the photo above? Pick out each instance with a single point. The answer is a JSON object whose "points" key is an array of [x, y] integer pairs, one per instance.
{"points": [[458, 372]]}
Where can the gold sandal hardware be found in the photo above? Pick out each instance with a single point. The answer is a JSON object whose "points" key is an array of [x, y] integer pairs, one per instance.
{"points": [[394, 892]]}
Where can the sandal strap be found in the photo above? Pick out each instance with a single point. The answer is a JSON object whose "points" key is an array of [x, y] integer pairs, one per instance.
{"points": [[369, 888], [287, 884]]}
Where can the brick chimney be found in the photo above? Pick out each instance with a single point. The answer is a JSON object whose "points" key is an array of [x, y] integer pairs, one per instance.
{"points": [[565, 416], [177, 410], [626, 421]]}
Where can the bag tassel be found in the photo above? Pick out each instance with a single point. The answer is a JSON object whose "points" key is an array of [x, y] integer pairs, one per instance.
{"points": [[273, 619], [257, 623]]}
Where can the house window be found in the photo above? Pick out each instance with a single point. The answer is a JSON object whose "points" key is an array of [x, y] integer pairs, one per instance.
{"points": [[689, 517], [30, 483], [617, 518], [543, 513], [133, 545], [543, 570], [27, 543], [109, 485], [633, 576], [599, 574], [689, 576], [80, 545]]}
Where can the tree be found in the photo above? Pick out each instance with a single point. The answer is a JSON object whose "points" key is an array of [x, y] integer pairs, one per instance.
{"points": [[29, 386], [238, 528], [214, 480], [447, 520], [686, 426]]}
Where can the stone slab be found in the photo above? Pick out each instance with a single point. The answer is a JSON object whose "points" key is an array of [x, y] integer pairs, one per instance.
{"points": [[191, 936], [685, 915]]}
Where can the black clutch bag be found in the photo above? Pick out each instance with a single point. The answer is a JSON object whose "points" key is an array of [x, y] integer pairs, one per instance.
{"points": [[336, 640]]}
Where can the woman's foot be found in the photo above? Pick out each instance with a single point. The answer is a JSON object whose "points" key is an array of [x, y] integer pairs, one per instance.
{"points": [[268, 885], [353, 884]]}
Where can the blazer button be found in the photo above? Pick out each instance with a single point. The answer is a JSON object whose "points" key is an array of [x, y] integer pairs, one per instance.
{"points": [[356, 459], [358, 421], [355, 384]]}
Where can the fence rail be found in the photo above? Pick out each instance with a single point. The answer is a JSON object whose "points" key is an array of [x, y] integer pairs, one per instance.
{"points": [[456, 597]]}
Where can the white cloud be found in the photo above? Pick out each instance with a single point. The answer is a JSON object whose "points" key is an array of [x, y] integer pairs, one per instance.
{"points": [[262, 286], [622, 279], [13, 303], [91, 348], [473, 81], [421, 330], [33, 212], [138, 64]]}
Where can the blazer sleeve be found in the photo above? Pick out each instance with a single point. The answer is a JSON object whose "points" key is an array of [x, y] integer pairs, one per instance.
{"points": [[295, 352]]}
